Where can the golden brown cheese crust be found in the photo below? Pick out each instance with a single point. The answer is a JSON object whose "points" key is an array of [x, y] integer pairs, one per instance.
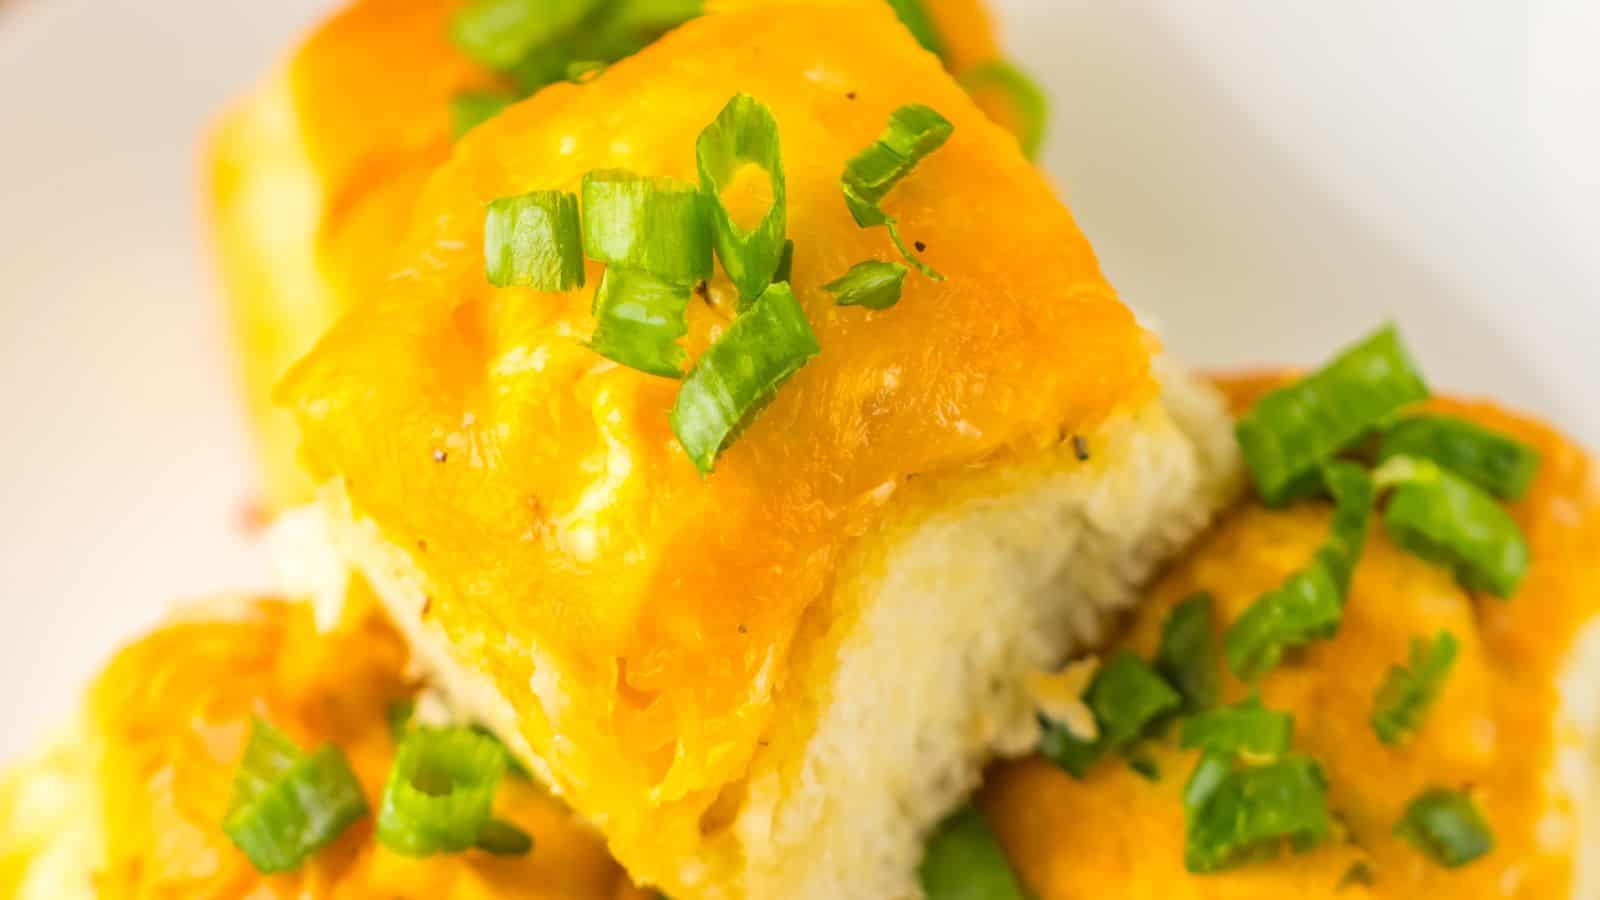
{"points": [[312, 178], [172, 714], [1495, 728], [539, 487]]}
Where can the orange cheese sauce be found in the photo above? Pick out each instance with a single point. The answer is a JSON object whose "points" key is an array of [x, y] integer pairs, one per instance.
{"points": [[358, 118], [1493, 730], [174, 710], [539, 487]]}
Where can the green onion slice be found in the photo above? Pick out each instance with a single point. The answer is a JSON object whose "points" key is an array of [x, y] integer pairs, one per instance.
{"points": [[1187, 656], [873, 284], [1143, 766], [914, 131], [580, 70], [287, 805], [1406, 693], [1446, 826], [1246, 729], [1309, 605], [1303, 609], [1209, 773], [917, 20], [1126, 697], [744, 133], [1443, 517], [533, 240], [514, 766], [1026, 99], [469, 109], [964, 861], [1292, 431], [653, 16], [398, 714], [740, 373], [1498, 463], [785, 263], [657, 225], [502, 838], [1246, 813], [440, 791], [501, 33], [638, 321]]}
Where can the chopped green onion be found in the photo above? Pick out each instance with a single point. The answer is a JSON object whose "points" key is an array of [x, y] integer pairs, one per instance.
{"points": [[1498, 463], [469, 109], [440, 791], [653, 15], [1359, 873], [1446, 826], [579, 71], [1309, 605], [1353, 494], [1070, 753], [1187, 656], [532, 240], [1246, 729], [914, 131], [1126, 697], [1209, 773], [744, 133], [658, 225], [514, 766], [502, 838], [1143, 766], [398, 714], [501, 33], [287, 805], [1027, 99], [785, 263], [1292, 431], [740, 373], [1443, 517], [638, 320], [1406, 694], [893, 227], [1303, 609], [1246, 813], [964, 861], [873, 284], [917, 21]]}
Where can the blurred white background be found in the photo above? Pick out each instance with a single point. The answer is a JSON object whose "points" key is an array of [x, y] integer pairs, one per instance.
{"points": [[1267, 179]]}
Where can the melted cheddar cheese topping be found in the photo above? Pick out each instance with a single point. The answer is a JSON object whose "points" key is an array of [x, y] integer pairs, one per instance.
{"points": [[1496, 729], [172, 714], [313, 178]]}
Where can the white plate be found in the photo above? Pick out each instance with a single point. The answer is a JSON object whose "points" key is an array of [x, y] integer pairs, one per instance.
{"points": [[1267, 179]]}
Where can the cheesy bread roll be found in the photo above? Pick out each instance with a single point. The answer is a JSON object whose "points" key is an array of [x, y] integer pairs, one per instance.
{"points": [[311, 178], [1455, 734], [1499, 731], [760, 620], [132, 802], [1504, 724]]}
